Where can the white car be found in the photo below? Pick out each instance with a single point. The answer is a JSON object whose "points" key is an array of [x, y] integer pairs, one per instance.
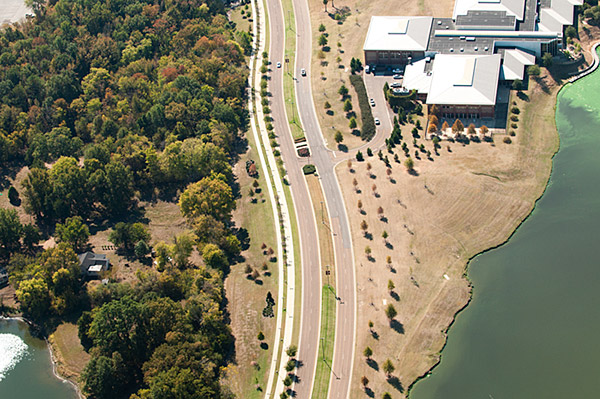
{"points": [[303, 72], [377, 122], [396, 84], [279, 65], [397, 76], [397, 70], [372, 102]]}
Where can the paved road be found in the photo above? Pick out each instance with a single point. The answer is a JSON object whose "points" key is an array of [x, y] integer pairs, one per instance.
{"points": [[322, 158], [311, 279]]}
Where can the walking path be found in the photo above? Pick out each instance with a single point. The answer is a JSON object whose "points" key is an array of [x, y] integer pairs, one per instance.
{"points": [[591, 68], [278, 200]]}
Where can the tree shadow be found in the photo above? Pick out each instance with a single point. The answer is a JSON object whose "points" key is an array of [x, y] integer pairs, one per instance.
{"points": [[299, 364], [258, 281], [397, 326], [369, 236], [395, 295], [369, 392], [413, 172], [393, 181], [393, 269], [373, 364], [371, 259], [343, 147], [389, 245], [396, 383], [383, 219], [523, 96], [264, 346], [375, 335]]}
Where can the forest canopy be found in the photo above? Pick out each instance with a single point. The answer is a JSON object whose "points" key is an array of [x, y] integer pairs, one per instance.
{"points": [[109, 102]]}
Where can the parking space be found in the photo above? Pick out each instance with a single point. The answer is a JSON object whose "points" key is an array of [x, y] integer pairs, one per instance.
{"points": [[374, 84]]}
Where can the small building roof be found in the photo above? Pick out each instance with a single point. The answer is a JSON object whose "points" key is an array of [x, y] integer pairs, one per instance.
{"points": [[464, 79], [513, 64], [418, 75], [512, 7], [88, 260], [398, 33], [95, 268], [559, 14]]}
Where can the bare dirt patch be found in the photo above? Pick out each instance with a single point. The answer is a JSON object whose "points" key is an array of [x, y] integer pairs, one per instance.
{"points": [[328, 74], [464, 201]]}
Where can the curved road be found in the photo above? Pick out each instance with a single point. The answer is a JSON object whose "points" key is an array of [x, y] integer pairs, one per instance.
{"points": [[311, 268], [322, 158]]}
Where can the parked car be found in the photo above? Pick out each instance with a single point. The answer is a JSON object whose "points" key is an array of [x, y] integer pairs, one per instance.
{"points": [[377, 121], [396, 84], [397, 70], [367, 69], [279, 65], [372, 102], [397, 76], [303, 72]]}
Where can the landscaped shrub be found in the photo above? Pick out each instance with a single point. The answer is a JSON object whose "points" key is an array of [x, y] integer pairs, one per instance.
{"points": [[507, 140], [309, 169], [368, 123]]}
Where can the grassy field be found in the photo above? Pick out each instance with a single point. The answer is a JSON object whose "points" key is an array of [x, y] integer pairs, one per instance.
{"points": [[464, 200], [345, 41], [327, 257], [289, 92], [68, 352], [326, 344]]}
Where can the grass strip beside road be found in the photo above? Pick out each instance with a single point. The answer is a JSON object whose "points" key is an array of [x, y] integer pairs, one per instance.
{"points": [[325, 357], [328, 298], [289, 92]]}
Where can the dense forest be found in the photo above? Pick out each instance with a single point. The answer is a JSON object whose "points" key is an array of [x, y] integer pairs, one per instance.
{"points": [[109, 102]]}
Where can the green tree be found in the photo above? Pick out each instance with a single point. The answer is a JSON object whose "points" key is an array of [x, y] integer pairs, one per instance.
{"points": [[38, 194], [352, 123], [182, 249], [390, 286], [517, 84], [322, 41], [386, 395], [210, 196], [141, 249], [409, 164], [74, 232], [31, 236], [339, 137], [533, 70], [321, 28], [390, 311], [388, 367], [547, 60], [11, 231], [214, 257], [291, 351], [126, 235], [343, 91], [119, 188], [34, 297], [368, 352], [347, 105]]}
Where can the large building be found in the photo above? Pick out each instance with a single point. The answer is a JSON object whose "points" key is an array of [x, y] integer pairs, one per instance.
{"points": [[458, 63]]}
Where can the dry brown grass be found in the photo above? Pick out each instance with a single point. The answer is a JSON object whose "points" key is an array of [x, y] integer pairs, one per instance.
{"points": [[351, 35], [246, 298], [68, 352], [459, 204]]}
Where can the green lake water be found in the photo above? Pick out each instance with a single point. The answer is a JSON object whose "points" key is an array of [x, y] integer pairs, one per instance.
{"points": [[25, 366], [531, 330]]}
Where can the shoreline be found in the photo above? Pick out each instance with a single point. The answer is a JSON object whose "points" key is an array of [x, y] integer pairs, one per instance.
{"points": [[53, 356], [590, 69]]}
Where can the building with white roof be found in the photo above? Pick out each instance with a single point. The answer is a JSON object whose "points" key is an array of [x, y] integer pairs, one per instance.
{"points": [[514, 63], [465, 86], [396, 40]]}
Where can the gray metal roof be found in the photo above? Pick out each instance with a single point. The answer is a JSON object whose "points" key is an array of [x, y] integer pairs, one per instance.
{"points": [[486, 20], [512, 7]]}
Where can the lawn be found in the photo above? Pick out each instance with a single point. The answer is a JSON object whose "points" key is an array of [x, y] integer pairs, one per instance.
{"points": [[463, 201], [345, 40]]}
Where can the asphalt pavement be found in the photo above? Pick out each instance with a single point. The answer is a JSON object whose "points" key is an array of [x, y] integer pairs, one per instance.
{"points": [[322, 157], [311, 279]]}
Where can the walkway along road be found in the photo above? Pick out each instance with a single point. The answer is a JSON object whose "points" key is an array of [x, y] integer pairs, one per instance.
{"points": [[343, 356], [311, 278]]}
